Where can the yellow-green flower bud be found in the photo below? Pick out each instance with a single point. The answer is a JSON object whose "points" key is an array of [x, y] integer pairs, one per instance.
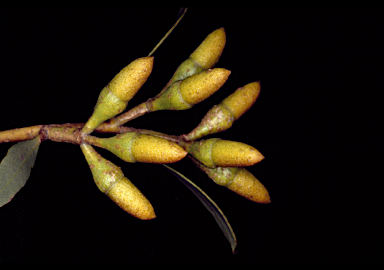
{"points": [[114, 98], [239, 180], [222, 116], [248, 186], [136, 147], [204, 57], [242, 99], [223, 153], [210, 50], [186, 69], [198, 87], [131, 78], [107, 106], [110, 180], [182, 95], [218, 118]]}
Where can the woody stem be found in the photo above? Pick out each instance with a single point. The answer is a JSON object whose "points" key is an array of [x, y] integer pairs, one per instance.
{"points": [[70, 133]]}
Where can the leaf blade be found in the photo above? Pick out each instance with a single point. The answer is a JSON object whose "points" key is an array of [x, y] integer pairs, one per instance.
{"points": [[211, 206], [16, 167]]}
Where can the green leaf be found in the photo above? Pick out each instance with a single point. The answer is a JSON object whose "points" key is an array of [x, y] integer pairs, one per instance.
{"points": [[15, 168], [210, 205]]}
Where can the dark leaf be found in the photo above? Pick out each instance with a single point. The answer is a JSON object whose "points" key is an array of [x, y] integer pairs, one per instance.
{"points": [[211, 206], [15, 168]]}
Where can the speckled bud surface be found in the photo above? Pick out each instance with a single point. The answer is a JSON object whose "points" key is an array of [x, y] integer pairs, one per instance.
{"points": [[202, 150], [110, 180], [104, 172], [248, 186], [242, 99], [130, 79], [188, 68], [136, 147], [222, 176], [234, 154], [120, 145], [151, 149], [200, 86], [170, 99], [217, 119], [130, 199], [210, 50], [108, 105]]}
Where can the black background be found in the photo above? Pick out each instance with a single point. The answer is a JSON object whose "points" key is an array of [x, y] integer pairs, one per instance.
{"points": [[315, 66]]}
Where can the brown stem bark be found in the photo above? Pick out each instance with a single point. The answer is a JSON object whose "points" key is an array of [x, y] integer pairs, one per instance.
{"points": [[20, 134], [70, 133], [135, 112]]}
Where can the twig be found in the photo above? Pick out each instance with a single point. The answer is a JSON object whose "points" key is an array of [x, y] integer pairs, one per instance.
{"points": [[133, 113], [70, 133]]}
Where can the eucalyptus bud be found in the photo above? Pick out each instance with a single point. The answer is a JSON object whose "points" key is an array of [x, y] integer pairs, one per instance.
{"points": [[239, 180], [114, 97], [110, 180], [136, 147], [222, 116], [242, 99], [248, 186], [182, 95], [223, 153], [204, 57]]}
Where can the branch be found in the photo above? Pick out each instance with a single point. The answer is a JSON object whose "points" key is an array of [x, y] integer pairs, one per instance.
{"points": [[133, 113], [70, 133], [20, 134]]}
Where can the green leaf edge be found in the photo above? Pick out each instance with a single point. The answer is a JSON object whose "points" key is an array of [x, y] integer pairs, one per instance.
{"points": [[35, 148], [211, 206]]}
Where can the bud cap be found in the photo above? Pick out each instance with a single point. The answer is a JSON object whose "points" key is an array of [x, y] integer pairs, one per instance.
{"points": [[210, 50], [130, 79], [248, 186], [200, 86], [182, 95], [234, 154], [242, 99], [130, 199], [215, 152], [151, 149]]}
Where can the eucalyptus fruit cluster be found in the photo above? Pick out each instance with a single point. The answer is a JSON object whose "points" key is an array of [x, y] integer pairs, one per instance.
{"points": [[193, 81]]}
